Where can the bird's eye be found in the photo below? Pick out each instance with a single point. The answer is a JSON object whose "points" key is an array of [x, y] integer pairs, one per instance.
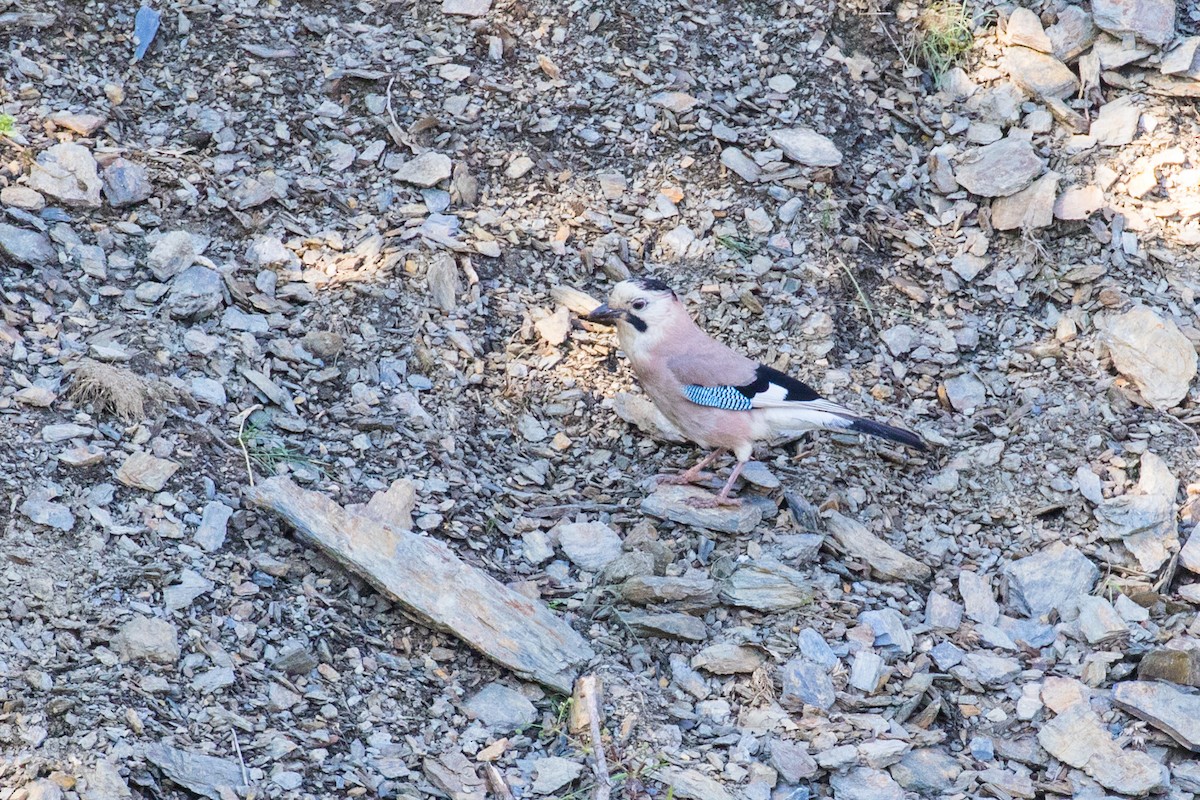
{"points": [[638, 305]]}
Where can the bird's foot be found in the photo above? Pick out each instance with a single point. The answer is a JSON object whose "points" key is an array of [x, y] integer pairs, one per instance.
{"points": [[713, 501], [684, 478]]}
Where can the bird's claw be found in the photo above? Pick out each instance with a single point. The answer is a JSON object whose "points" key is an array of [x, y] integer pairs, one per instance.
{"points": [[710, 501], [683, 478]]}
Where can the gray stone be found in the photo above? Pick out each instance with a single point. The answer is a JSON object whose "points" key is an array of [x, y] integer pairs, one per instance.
{"points": [[728, 659], [1029, 209], [67, 173], [125, 183], [999, 169], [22, 197], [25, 247], [760, 475], [255, 190], [66, 430], [1072, 34], [1152, 21], [1182, 58], [43, 789], [866, 671], [210, 536], [942, 613], [806, 146], [39, 508], [978, 599], [1153, 353], [1114, 53], [1025, 29], [1099, 621], [589, 545], [675, 102], [195, 294], [203, 775], [553, 773], [501, 709], [766, 585], [928, 772], [144, 471], [1078, 737], [103, 782], [741, 164], [1164, 706], [989, 671], [814, 647], [671, 502], [889, 629], [466, 8], [149, 639], [206, 390], [692, 784], [1116, 123], [946, 655], [426, 170], [172, 253], [268, 251], [1189, 555], [792, 761], [182, 594], [1027, 632], [234, 319], [686, 592], [966, 392], [442, 280], [899, 339], [536, 547], [807, 683], [1040, 74], [1050, 579], [680, 626], [864, 783], [294, 658], [968, 265]]}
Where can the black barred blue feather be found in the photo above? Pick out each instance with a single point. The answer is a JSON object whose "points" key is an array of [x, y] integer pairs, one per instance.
{"points": [[724, 397]]}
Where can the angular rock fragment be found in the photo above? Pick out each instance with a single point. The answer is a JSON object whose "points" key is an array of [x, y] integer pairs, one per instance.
{"points": [[144, 471], [671, 502], [1165, 707], [999, 169], [1031, 208], [67, 173], [805, 682], [1153, 353], [806, 146], [766, 585], [1078, 737], [1152, 21], [857, 542], [728, 659], [1050, 579], [1040, 74], [201, 774], [25, 247]]}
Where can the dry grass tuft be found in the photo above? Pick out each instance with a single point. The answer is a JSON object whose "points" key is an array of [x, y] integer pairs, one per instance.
{"points": [[112, 390]]}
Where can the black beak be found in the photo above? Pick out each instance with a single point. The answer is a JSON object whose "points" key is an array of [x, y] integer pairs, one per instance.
{"points": [[606, 315]]}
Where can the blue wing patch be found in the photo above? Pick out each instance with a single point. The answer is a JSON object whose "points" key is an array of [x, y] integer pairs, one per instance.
{"points": [[726, 397]]}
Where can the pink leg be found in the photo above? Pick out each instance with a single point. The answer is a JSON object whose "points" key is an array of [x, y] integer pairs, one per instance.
{"points": [[722, 499], [696, 473]]}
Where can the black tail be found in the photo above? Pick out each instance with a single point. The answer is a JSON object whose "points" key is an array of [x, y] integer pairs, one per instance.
{"points": [[890, 432]]}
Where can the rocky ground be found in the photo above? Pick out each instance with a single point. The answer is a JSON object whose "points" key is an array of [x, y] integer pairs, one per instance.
{"points": [[348, 244]]}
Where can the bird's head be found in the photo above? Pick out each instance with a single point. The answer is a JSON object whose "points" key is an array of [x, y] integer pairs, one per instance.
{"points": [[638, 306]]}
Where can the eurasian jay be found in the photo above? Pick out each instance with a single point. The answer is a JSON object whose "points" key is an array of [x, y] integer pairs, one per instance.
{"points": [[718, 398]]}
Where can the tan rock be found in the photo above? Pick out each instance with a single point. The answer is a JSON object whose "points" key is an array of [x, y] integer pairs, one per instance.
{"points": [[144, 471], [1039, 74], [1153, 353], [1079, 202], [1025, 29], [1029, 208]]}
